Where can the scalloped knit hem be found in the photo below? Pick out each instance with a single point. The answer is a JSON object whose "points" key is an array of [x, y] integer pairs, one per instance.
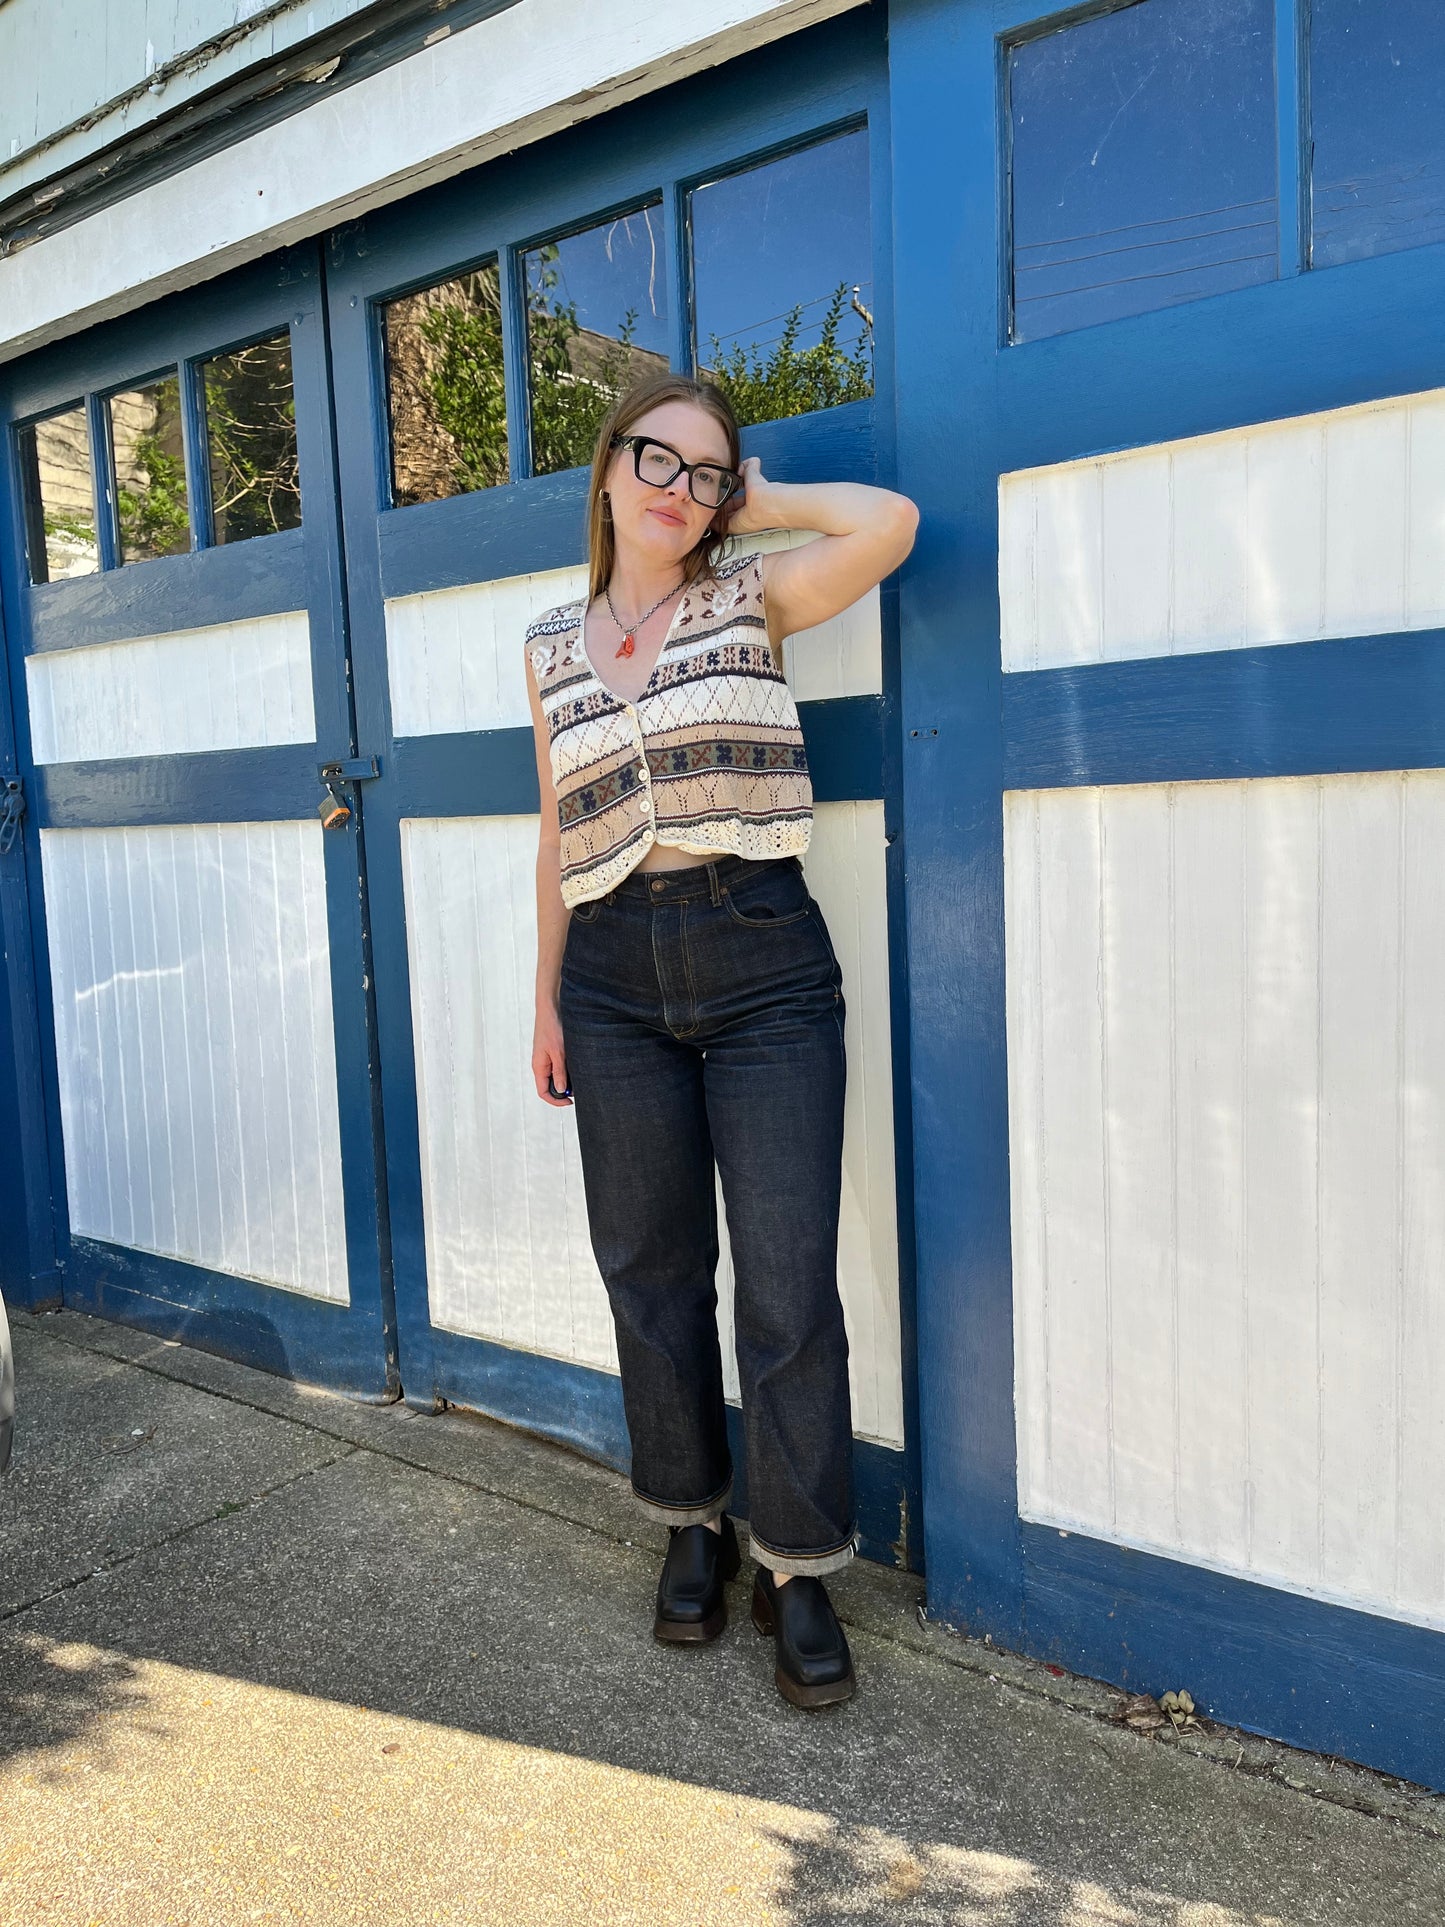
{"points": [[752, 844]]}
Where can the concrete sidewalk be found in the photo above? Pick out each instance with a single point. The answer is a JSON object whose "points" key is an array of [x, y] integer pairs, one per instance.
{"points": [[266, 1655]]}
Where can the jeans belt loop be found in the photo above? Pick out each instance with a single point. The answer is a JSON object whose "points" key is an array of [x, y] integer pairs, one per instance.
{"points": [[713, 890]]}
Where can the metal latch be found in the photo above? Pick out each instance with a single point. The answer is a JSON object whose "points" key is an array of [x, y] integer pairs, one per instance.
{"points": [[333, 809], [12, 809]]}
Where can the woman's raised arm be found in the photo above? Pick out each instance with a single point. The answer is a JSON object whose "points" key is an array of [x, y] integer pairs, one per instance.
{"points": [[865, 533]]}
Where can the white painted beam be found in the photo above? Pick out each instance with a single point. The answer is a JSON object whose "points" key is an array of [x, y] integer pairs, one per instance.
{"points": [[523, 74]]}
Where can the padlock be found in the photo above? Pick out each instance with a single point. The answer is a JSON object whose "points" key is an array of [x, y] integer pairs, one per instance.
{"points": [[332, 809]]}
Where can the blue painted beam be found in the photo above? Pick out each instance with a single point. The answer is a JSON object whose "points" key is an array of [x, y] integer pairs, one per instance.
{"points": [[1318, 1675], [1293, 709], [240, 580], [266, 785], [490, 772], [493, 772], [285, 1332]]}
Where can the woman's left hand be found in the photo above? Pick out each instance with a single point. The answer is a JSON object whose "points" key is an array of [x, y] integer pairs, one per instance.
{"points": [[752, 512]]}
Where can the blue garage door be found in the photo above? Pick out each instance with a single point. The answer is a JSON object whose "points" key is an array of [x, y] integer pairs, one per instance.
{"points": [[178, 664]]}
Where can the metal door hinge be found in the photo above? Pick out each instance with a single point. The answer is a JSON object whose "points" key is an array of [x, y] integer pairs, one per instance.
{"points": [[12, 809]]}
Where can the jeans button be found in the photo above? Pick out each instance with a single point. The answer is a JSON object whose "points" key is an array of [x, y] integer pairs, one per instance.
{"points": [[658, 887]]}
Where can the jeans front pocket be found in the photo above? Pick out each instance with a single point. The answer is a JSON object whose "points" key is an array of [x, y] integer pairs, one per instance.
{"points": [[773, 895]]}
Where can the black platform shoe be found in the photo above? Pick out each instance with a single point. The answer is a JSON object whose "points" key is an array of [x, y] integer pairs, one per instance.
{"points": [[691, 1608], [814, 1666]]}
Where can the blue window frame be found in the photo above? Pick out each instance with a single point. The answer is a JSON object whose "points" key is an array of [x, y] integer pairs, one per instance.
{"points": [[1143, 167], [1377, 126], [503, 370], [57, 494], [782, 280], [196, 455], [445, 387], [596, 322]]}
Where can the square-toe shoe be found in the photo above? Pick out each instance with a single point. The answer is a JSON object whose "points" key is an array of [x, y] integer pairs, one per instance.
{"points": [[814, 1665], [691, 1605]]}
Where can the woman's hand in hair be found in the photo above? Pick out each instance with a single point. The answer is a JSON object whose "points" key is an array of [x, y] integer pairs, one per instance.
{"points": [[752, 510]]}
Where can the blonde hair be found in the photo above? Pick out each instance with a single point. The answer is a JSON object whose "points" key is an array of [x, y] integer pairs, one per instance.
{"points": [[652, 392]]}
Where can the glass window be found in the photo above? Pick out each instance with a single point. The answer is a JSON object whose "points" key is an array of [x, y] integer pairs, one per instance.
{"points": [[152, 514], [596, 322], [251, 441], [1144, 166], [445, 393], [782, 281], [59, 495], [1377, 120]]}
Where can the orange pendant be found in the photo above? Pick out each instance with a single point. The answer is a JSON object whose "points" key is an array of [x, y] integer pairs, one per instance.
{"points": [[627, 646]]}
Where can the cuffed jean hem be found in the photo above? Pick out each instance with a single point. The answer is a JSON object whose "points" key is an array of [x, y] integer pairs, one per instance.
{"points": [[803, 1565], [685, 1515]]}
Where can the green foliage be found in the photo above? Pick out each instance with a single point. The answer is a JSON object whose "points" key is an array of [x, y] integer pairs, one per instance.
{"points": [[466, 388], [70, 528], [251, 432], [577, 374], [793, 380], [576, 377], [154, 521]]}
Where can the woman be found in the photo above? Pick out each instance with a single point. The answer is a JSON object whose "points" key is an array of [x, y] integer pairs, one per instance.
{"points": [[689, 1002]]}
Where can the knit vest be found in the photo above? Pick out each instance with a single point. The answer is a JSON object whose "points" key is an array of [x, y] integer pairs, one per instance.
{"points": [[709, 758]]}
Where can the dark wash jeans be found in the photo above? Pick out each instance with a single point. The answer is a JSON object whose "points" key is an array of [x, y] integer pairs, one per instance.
{"points": [[702, 1013]]}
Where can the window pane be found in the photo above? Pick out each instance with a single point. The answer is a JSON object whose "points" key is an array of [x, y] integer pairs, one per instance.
{"points": [[1144, 164], [782, 281], [150, 471], [59, 496], [596, 322], [1377, 118], [444, 388], [251, 441]]}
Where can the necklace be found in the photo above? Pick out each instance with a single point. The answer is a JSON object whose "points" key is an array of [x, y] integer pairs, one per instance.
{"points": [[629, 631]]}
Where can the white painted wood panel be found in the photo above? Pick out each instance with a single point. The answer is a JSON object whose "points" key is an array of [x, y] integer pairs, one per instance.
{"points": [[1330, 524], [1227, 1141], [508, 1256], [455, 658], [233, 686], [192, 990]]}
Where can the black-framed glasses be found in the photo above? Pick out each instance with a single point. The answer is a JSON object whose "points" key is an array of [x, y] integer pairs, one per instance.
{"points": [[708, 484]]}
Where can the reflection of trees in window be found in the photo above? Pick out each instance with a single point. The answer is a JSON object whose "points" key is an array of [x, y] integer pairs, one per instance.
{"points": [[792, 380], [577, 373], [58, 496], [445, 388], [150, 471], [781, 253], [251, 441]]}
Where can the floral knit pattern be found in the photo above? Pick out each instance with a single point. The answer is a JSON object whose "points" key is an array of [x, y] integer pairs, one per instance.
{"points": [[709, 758]]}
